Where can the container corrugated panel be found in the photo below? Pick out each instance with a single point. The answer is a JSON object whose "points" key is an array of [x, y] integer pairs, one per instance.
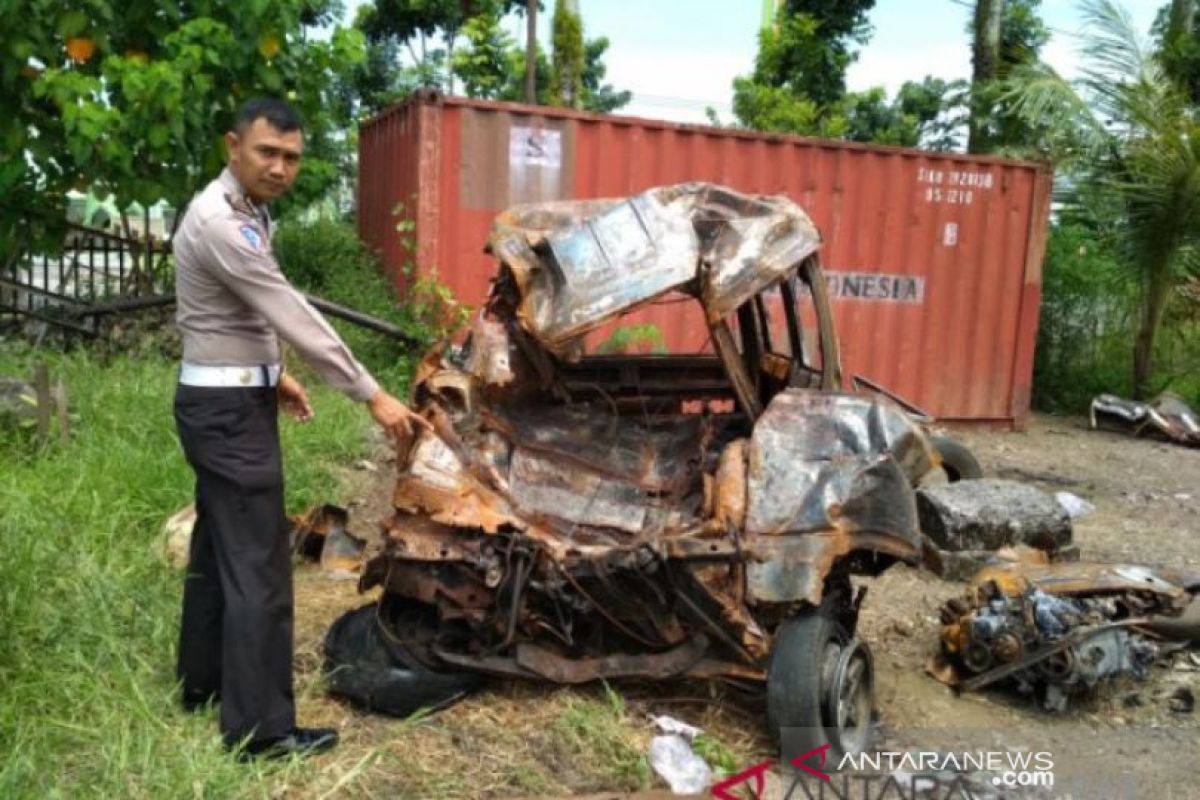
{"points": [[934, 259]]}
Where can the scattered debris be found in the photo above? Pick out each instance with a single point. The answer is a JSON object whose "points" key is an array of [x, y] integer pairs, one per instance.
{"points": [[1167, 417], [373, 668], [962, 566], [320, 534], [18, 401], [1182, 701], [672, 758], [1057, 629], [1074, 505], [670, 725], [176, 539], [366, 466]]}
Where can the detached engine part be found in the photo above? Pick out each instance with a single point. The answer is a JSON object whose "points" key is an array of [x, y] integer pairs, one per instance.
{"points": [[1058, 630]]}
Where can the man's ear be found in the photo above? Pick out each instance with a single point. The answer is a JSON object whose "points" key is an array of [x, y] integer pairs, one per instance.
{"points": [[231, 145]]}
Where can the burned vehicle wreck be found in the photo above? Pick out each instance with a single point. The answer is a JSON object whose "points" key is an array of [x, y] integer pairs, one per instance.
{"points": [[576, 515]]}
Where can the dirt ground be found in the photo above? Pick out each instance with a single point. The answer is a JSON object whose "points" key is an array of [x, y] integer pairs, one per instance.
{"points": [[519, 739]]}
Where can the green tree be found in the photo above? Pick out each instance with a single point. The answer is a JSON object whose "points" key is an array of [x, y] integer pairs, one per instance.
{"points": [[132, 98], [1127, 135], [598, 95], [800, 70], [1175, 30], [413, 27], [567, 55], [923, 114], [484, 63], [1021, 36]]}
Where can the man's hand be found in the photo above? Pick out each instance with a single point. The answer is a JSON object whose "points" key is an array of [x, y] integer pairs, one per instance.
{"points": [[293, 399], [397, 420]]}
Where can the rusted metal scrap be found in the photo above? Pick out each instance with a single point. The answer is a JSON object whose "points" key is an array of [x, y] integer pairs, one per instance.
{"points": [[1057, 629], [1167, 417], [566, 520], [320, 534]]}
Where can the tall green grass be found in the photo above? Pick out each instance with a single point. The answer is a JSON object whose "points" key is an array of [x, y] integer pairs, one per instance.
{"points": [[88, 606]]}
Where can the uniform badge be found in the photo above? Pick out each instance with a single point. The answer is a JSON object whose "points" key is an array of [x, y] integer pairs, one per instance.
{"points": [[252, 236]]}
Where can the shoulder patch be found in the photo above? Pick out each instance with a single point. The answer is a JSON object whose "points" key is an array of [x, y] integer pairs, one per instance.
{"points": [[252, 236]]}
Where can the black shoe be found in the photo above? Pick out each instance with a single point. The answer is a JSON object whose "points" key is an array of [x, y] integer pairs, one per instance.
{"points": [[300, 742], [194, 701]]}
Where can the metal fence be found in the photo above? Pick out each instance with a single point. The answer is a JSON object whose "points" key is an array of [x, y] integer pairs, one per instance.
{"points": [[95, 268]]}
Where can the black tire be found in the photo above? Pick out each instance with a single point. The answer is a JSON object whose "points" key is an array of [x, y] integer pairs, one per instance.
{"points": [[958, 461], [375, 672], [806, 655]]}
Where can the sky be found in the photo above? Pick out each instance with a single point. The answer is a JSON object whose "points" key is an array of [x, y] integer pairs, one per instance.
{"points": [[679, 56]]}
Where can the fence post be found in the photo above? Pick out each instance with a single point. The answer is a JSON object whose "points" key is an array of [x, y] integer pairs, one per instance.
{"points": [[41, 384], [60, 406]]}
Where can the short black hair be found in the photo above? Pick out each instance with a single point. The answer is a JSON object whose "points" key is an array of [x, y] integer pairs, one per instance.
{"points": [[278, 113]]}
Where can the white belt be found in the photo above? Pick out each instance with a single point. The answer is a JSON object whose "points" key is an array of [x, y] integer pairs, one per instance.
{"points": [[202, 375]]}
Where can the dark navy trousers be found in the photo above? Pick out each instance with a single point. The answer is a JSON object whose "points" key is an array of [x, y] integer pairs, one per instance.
{"points": [[236, 634]]}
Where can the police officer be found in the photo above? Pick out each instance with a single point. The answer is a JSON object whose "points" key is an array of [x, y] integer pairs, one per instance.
{"points": [[234, 306]]}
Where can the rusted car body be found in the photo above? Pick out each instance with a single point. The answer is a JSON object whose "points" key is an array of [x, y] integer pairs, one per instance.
{"points": [[576, 516], [1168, 417]]}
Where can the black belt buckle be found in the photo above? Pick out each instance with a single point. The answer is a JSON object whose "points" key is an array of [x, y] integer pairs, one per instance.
{"points": [[266, 375]]}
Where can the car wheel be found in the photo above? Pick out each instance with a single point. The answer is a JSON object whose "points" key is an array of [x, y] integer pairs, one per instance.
{"points": [[820, 685], [957, 460], [373, 670]]}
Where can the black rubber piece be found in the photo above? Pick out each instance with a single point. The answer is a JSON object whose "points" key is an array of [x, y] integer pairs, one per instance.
{"points": [[958, 461], [375, 672]]}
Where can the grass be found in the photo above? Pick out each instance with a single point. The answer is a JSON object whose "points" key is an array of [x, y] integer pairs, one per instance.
{"points": [[89, 619], [88, 608]]}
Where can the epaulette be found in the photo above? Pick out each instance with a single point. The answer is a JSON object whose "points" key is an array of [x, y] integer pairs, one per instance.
{"points": [[240, 204]]}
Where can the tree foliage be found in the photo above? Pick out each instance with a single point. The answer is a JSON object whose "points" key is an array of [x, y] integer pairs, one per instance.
{"points": [[799, 73], [132, 98], [798, 83], [995, 128], [924, 113], [1175, 29], [810, 47], [567, 55], [483, 65], [598, 95], [1127, 135], [411, 26], [421, 47]]}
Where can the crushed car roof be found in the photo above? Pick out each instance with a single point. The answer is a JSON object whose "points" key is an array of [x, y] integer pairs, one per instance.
{"points": [[578, 264]]}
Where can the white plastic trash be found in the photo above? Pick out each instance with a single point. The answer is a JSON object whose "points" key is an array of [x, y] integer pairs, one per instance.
{"points": [[668, 725], [1074, 505], [672, 757]]}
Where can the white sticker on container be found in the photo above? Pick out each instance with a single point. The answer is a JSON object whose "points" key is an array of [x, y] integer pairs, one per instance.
{"points": [[535, 146]]}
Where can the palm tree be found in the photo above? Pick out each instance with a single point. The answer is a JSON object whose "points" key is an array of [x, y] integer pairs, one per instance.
{"points": [[1125, 133]]}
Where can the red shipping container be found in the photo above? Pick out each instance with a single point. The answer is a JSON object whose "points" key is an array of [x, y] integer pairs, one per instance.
{"points": [[934, 259]]}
